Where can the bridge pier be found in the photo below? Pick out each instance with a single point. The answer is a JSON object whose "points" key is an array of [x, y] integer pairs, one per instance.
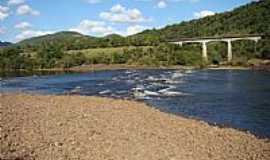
{"points": [[230, 55], [204, 51], [255, 47]]}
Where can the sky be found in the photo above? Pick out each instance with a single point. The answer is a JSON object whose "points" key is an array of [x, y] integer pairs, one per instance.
{"points": [[22, 19]]}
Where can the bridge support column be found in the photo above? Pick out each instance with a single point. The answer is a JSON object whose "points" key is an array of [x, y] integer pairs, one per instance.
{"points": [[204, 51], [255, 47], [230, 55]]}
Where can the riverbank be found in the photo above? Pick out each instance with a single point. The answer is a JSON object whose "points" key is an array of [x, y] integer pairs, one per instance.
{"points": [[103, 67], [77, 127], [85, 68], [100, 67], [255, 64]]}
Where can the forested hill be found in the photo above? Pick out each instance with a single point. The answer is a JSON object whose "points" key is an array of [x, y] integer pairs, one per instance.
{"points": [[253, 18], [58, 36], [66, 39]]}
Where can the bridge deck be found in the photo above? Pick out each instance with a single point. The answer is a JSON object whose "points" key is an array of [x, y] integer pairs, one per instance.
{"points": [[215, 37]]}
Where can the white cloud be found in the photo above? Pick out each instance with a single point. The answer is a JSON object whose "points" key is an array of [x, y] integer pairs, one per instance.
{"points": [[119, 14], [23, 26], [100, 28], [31, 33], [118, 9], [134, 29], [203, 14], [3, 12], [26, 10], [97, 28], [162, 4], [3, 9], [15, 2]]}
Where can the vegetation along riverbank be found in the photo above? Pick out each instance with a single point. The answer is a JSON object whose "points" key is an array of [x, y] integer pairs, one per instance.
{"points": [[151, 47], [77, 127]]}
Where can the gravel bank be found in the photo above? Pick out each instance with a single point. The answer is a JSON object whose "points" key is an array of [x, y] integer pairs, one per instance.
{"points": [[91, 128]]}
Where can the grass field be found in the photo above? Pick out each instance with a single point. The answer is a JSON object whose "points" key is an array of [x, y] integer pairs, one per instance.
{"points": [[89, 52]]}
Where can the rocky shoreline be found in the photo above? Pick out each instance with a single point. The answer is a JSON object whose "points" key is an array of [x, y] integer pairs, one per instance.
{"points": [[78, 127]]}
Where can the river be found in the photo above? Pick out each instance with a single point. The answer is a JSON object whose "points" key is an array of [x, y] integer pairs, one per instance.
{"points": [[229, 98]]}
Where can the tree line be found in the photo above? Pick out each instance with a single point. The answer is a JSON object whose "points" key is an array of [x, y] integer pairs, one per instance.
{"points": [[163, 54]]}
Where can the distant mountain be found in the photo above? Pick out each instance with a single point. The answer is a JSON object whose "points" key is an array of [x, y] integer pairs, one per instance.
{"points": [[253, 18], [65, 35], [5, 44], [70, 40]]}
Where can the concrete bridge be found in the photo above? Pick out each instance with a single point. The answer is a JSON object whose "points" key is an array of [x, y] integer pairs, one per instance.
{"points": [[228, 40]]}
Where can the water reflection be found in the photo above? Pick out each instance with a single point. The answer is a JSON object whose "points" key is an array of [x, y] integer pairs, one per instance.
{"points": [[18, 73]]}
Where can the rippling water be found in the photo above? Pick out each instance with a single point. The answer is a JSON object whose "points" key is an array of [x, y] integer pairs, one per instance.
{"points": [[235, 98]]}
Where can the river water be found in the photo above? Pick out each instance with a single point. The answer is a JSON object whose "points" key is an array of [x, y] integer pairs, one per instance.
{"points": [[230, 98]]}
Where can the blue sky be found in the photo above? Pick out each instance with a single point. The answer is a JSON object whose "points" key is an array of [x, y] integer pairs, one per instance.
{"points": [[20, 19]]}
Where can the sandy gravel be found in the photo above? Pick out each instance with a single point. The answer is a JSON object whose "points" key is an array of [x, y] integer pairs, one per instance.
{"points": [[91, 128]]}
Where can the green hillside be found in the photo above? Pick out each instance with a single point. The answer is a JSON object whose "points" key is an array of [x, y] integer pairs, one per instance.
{"points": [[57, 36], [150, 47], [253, 18], [72, 41], [67, 40]]}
